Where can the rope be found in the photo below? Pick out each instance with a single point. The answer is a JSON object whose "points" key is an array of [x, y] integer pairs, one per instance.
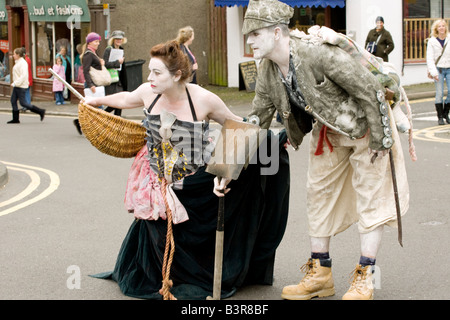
{"points": [[169, 249], [412, 148]]}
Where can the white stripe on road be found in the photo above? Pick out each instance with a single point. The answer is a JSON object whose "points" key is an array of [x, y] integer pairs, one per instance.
{"points": [[35, 181], [54, 184]]}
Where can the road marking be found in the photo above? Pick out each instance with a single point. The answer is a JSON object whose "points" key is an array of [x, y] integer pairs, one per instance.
{"points": [[429, 134], [54, 184], [35, 181]]}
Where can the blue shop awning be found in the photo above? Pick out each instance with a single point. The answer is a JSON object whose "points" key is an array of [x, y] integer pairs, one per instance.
{"points": [[58, 10], [3, 12], [292, 3]]}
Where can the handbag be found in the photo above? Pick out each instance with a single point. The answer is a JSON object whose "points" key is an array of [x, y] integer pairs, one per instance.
{"points": [[100, 77], [437, 60], [114, 73], [372, 45]]}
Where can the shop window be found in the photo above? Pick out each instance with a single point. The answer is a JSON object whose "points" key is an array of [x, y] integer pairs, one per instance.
{"points": [[44, 49], [56, 38], [4, 49]]}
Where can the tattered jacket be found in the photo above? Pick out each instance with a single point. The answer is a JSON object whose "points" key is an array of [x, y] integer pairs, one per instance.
{"points": [[335, 85]]}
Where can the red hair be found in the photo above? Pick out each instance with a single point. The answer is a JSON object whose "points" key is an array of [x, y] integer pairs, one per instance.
{"points": [[173, 57]]}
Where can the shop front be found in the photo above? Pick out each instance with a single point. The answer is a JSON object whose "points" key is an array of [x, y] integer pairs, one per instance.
{"points": [[45, 28], [228, 41], [4, 46]]}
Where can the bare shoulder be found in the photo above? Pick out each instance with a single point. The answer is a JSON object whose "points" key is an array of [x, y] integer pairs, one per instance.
{"points": [[202, 96], [145, 93]]}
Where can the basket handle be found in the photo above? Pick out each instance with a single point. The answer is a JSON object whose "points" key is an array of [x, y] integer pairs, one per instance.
{"points": [[72, 89]]}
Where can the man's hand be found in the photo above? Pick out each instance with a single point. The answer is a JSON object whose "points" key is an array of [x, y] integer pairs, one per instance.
{"points": [[220, 187], [389, 94], [376, 153]]}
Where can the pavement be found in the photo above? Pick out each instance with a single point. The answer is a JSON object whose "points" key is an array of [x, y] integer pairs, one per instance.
{"points": [[70, 109]]}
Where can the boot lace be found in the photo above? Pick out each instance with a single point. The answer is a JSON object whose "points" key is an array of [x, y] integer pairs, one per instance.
{"points": [[357, 278], [307, 268]]}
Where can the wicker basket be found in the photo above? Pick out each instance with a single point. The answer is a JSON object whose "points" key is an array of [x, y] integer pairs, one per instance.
{"points": [[109, 133]]}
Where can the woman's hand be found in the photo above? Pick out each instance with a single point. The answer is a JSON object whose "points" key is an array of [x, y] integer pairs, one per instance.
{"points": [[220, 187], [92, 89], [91, 101]]}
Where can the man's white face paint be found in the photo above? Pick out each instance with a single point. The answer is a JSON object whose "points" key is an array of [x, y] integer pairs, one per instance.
{"points": [[262, 42]]}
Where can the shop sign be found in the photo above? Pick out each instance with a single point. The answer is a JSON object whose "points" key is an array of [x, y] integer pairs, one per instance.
{"points": [[67, 10], [42, 72], [58, 10], [4, 46]]}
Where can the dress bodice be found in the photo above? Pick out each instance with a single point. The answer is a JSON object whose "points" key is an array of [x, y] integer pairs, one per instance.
{"points": [[176, 148]]}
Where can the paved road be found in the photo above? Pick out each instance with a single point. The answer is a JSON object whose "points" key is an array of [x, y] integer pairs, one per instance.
{"points": [[62, 218]]}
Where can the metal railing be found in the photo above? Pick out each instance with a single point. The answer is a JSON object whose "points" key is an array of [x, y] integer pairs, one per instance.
{"points": [[417, 31]]}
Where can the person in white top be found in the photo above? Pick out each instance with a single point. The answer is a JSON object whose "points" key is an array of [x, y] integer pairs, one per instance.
{"points": [[438, 63], [20, 85]]}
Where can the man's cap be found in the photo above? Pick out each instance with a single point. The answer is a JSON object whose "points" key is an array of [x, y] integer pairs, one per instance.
{"points": [[379, 18], [266, 13]]}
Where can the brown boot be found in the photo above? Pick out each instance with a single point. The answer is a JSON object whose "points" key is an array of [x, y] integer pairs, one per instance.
{"points": [[361, 287], [318, 282]]}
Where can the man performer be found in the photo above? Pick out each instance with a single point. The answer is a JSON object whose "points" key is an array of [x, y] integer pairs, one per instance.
{"points": [[349, 176]]}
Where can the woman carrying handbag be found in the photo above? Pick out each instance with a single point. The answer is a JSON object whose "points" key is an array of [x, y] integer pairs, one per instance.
{"points": [[438, 62], [90, 59]]}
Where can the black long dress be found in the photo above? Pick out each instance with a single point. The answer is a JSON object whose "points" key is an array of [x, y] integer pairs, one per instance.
{"points": [[256, 211]]}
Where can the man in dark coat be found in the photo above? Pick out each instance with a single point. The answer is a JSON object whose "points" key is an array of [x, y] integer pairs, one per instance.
{"points": [[382, 38]]}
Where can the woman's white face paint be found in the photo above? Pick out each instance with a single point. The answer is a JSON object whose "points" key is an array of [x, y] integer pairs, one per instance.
{"points": [[160, 78]]}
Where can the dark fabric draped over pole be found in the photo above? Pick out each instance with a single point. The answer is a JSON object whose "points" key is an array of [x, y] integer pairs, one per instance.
{"points": [[292, 3]]}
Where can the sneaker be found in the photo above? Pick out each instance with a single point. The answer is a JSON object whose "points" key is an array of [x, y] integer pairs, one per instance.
{"points": [[317, 282], [361, 287]]}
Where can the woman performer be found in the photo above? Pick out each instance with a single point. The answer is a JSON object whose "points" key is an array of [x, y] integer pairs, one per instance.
{"points": [[171, 168]]}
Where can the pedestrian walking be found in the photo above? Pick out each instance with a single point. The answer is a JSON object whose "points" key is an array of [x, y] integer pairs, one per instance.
{"points": [[20, 85]]}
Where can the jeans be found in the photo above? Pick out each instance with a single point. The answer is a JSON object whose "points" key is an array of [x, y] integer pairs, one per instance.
{"points": [[59, 97], [444, 74], [20, 94], [28, 95]]}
